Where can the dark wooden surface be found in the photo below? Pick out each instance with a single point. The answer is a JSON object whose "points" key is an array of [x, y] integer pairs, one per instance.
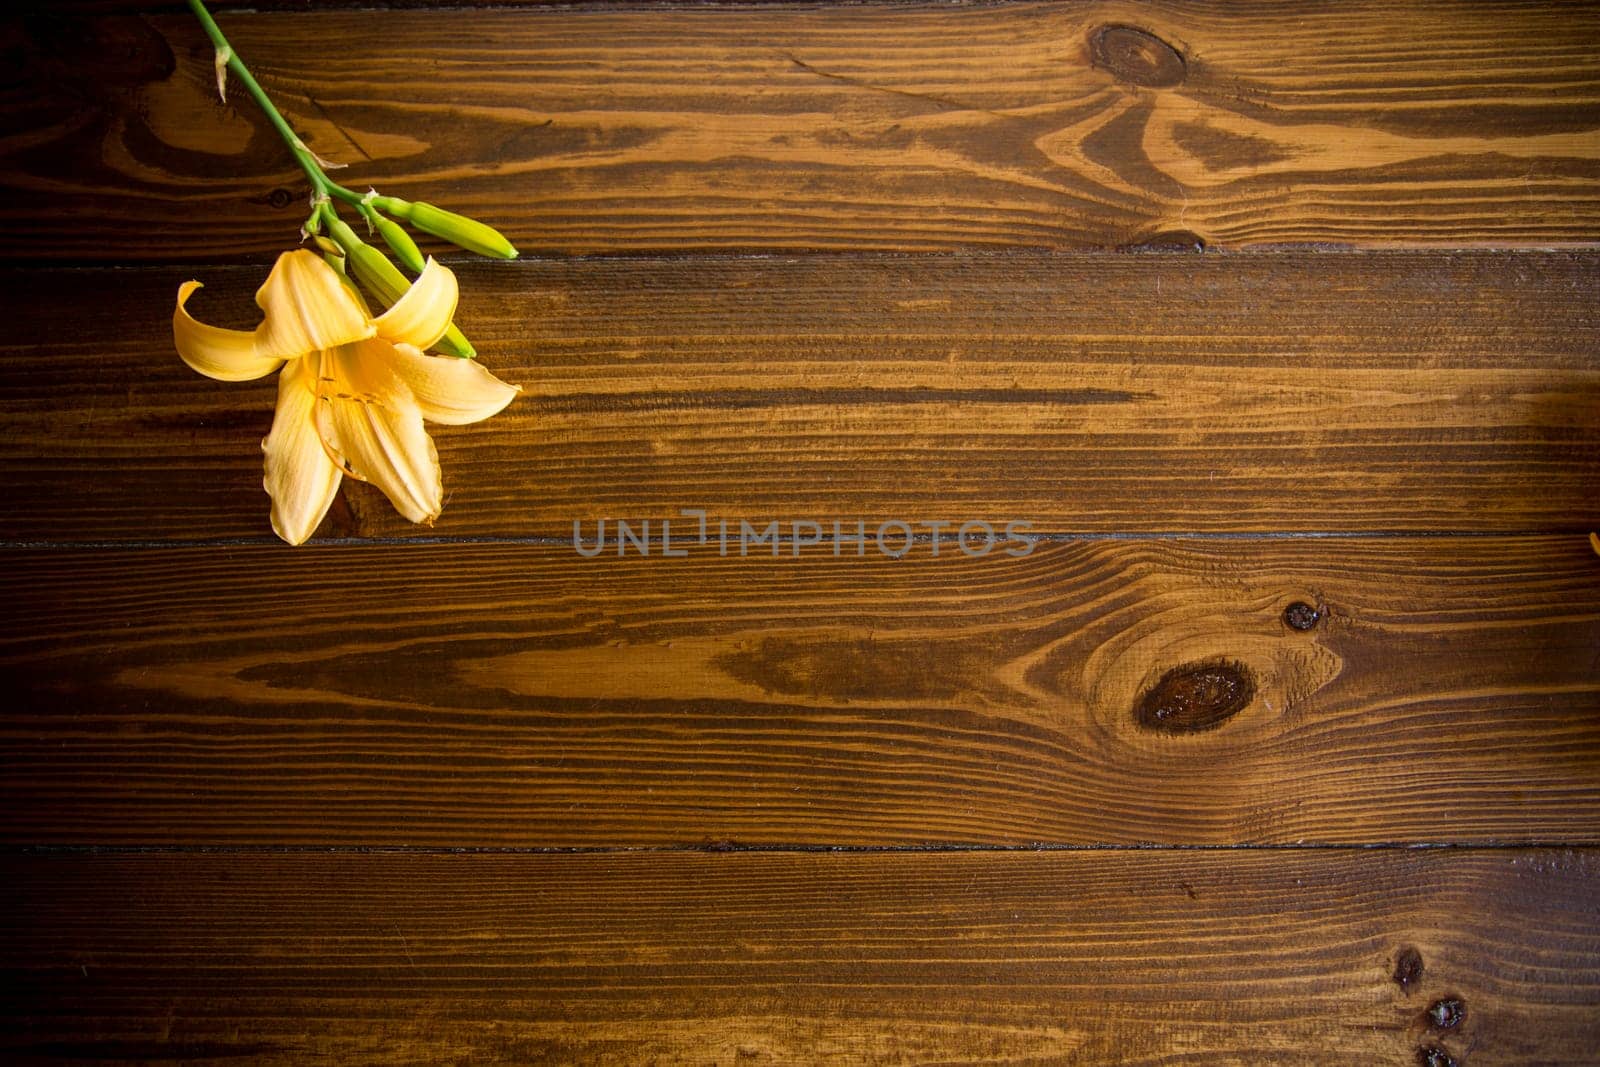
{"points": [[1281, 747], [1132, 958], [906, 128], [1304, 392], [517, 695]]}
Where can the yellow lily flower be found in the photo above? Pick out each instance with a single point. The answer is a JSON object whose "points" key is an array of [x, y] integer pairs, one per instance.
{"points": [[353, 390]]}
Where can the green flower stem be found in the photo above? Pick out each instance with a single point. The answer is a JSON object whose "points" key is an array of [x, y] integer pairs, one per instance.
{"points": [[370, 266], [322, 186]]}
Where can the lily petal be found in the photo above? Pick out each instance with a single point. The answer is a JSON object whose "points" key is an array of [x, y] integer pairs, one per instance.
{"points": [[307, 308], [301, 479], [423, 313], [450, 390], [226, 355], [372, 428]]}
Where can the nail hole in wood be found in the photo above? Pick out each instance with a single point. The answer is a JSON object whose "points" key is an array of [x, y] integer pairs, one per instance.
{"points": [[1137, 56], [1434, 1056], [1446, 1013], [1196, 697]]}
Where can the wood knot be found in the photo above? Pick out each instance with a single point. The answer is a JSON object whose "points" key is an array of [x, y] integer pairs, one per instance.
{"points": [[1196, 697], [1446, 1013], [1300, 616], [1407, 968], [1137, 56], [123, 51]]}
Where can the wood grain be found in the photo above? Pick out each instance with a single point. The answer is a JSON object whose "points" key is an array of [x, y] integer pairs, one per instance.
{"points": [[522, 695], [1135, 959], [1096, 392], [1259, 795], [1075, 125]]}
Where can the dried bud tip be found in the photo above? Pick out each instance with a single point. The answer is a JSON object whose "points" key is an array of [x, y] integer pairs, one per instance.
{"points": [[221, 60]]}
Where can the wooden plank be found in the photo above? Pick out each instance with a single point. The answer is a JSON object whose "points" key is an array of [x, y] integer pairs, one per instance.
{"points": [[1135, 958], [1445, 692], [1074, 125], [1302, 392]]}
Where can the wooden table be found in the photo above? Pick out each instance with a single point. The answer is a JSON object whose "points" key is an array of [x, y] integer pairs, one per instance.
{"points": [[1276, 322]]}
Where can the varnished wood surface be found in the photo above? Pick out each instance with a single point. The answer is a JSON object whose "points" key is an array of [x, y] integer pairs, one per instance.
{"points": [[1276, 392], [523, 695], [1282, 749], [1130, 958], [1074, 125]]}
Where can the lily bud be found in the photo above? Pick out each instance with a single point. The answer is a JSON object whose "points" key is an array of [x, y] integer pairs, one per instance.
{"points": [[459, 230], [455, 343], [373, 270], [384, 281], [327, 247], [343, 236], [400, 243], [337, 261]]}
